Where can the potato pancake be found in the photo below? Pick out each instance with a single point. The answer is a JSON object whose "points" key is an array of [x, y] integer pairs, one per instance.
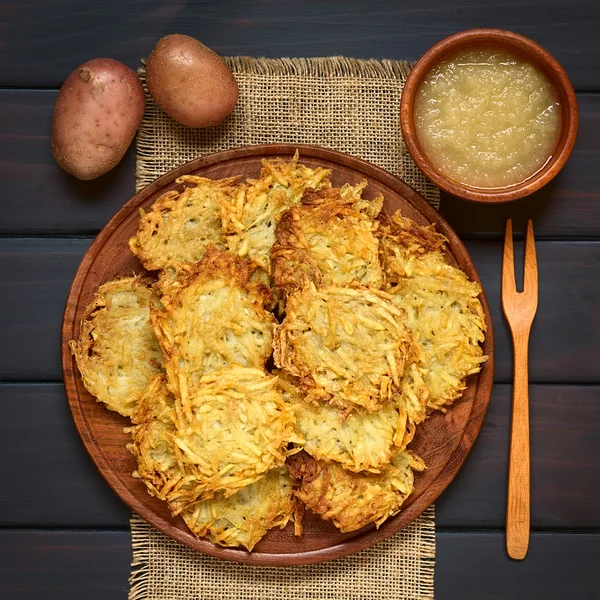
{"points": [[117, 351], [326, 241], [250, 217], [403, 243], [180, 226], [240, 520], [153, 444], [348, 345], [244, 518], [233, 429], [213, 318], [359, 441], [412, 404], [443, 310], [353, 500]]}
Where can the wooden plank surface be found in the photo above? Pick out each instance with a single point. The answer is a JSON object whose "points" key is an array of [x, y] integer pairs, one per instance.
{"points": [[64, 565], [50, 481], [71, 565], [54, 483], [474, 566], [565, 463], [38, 197], [35, 276], [46, 40], [44, 199]]}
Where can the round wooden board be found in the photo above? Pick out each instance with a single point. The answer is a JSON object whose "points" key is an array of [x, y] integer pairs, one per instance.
{"points": [[443, 441]]}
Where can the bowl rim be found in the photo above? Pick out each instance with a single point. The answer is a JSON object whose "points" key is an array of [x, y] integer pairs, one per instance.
{"points": [[530, 50]]}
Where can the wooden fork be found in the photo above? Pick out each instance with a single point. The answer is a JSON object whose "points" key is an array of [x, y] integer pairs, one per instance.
{"points": [[519, 308]]}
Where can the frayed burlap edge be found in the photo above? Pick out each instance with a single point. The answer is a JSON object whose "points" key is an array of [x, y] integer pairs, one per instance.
{"points": [[328, 66]]}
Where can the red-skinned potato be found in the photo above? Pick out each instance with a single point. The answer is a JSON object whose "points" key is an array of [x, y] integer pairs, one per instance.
{"points": [[99, 108], [190, 82]]}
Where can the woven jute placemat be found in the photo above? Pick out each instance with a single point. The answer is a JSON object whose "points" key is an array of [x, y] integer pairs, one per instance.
{"points": [[348, 105]]}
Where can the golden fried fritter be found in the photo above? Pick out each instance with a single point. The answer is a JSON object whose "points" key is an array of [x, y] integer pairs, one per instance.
{"points": [[353, 500], [240, 520], [249, 218], [359, 441], [233, 429], [348, 345], [403, 243], [153, 443], [412, 403], [443, 310], [213, 318], [326, 241], [370, 208], [244, 518], [181, 226], [117, 351]]}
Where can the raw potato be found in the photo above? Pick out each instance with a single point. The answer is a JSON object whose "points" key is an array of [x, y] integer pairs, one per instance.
{"points": [[190, 82], [98, 110]]}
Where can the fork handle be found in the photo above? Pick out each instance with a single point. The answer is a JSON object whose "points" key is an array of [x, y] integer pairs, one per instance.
{"points": [[517, 512]]}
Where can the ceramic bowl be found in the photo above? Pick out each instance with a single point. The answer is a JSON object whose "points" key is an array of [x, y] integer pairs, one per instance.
{"points": [[529, 51]]}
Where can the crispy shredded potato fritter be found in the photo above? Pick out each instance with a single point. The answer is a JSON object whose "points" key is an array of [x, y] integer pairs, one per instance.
{"points": [[153, 442], [213, 318], [404, 243], [326, 240], [244, 518], [234, 428], [443, 311], [240, 520], [359, 441], [180, 226], [353, 500], [348, 345], [249, 218], [117, 351]]}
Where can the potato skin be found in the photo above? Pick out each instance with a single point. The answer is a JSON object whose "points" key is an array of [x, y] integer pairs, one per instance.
{"points": [[98, 110], [190, 82]]}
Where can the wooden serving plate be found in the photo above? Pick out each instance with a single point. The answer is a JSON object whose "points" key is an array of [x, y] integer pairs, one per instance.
{"points": [[443, 441]]}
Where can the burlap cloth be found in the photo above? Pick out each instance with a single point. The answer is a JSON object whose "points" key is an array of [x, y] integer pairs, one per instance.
{"points": [[348, 105]]}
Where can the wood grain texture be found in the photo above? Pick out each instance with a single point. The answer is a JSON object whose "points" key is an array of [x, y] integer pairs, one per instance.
{"points": [[55, 484], [72, 565], [519, 310], [563, 345], [443, 441], [44, 42], [474, 566], [44, 199]]}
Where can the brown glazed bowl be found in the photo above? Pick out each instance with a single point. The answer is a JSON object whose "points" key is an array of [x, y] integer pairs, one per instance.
{"points": [[529, 51]]}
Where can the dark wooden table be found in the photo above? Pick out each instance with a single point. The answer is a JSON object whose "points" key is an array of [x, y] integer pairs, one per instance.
{"points": [[63, 533]]}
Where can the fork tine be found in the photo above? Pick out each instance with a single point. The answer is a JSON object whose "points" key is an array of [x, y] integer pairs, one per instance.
{"points": [[508, 262], [530, 276]]}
